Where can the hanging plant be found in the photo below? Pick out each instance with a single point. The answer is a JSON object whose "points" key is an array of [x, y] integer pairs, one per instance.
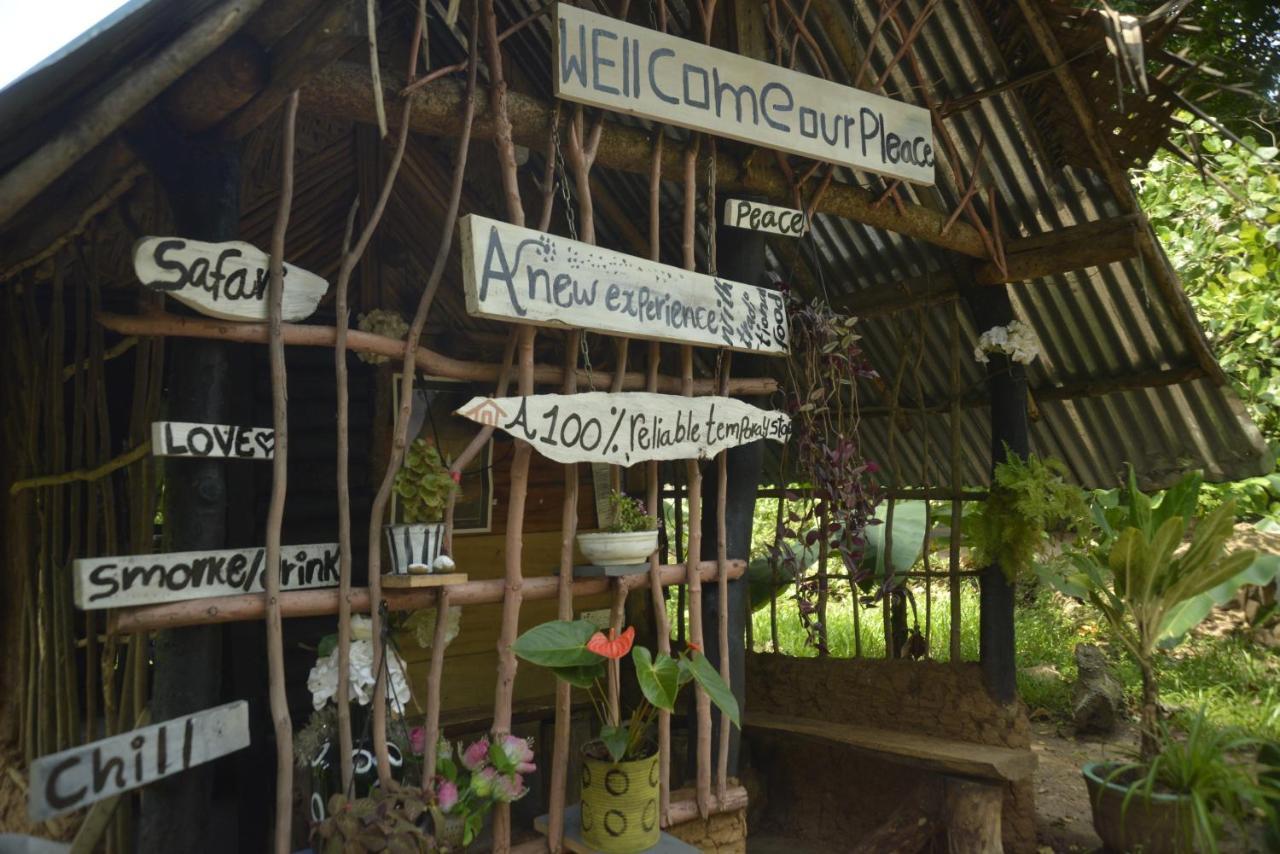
{"points": [[825, 362]]}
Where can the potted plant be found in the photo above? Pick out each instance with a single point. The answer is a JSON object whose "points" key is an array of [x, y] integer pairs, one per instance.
{"points": [[315, 746], [464, 789], [630, 537], [1136, 576], [423, 486], [620, 768], [380, 821]]}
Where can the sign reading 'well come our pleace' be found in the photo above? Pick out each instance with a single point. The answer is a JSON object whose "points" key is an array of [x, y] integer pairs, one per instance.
{"points": [[116, 582], [66, 781], [618, 66], [602, 427], [514, 273]]}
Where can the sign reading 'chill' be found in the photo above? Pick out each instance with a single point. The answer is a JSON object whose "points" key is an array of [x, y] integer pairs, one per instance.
{"points": [[618, 66], [514, 273]]}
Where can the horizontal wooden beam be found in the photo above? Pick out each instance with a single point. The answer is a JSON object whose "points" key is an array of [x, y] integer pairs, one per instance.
{"points": [[342, 91], [428, 361], [324, 602], [1093, 244]]}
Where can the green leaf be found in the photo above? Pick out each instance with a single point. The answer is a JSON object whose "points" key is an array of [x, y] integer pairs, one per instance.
{"points": [[709, 679], [582, 676], [907, 538], [659, 679], [327, 645], [1185, 616], [559, 643], [615, 739]]}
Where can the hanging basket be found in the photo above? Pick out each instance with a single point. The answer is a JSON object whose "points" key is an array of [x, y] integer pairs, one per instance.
{"points": [[619, 802], [414, 548]]}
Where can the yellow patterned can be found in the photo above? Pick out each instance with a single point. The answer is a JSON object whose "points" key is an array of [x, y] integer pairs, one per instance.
{"points": [[620, 804]]}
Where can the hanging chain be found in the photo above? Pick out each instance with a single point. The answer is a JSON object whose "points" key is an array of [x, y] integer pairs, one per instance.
{"points": [[562, 176]]}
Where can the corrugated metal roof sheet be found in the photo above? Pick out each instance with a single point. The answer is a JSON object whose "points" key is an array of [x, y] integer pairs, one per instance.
{"points": [[1107, 322]]}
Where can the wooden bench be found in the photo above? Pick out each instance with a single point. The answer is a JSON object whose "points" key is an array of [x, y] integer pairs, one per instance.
{"points": [[968, 804]]}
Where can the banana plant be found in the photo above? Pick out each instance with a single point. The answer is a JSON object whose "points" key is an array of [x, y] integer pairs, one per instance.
{"points": [[1137, 577]]}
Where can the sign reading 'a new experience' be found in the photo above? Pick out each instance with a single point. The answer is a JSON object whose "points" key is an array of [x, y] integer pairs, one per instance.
{"points": [[618, 66]]}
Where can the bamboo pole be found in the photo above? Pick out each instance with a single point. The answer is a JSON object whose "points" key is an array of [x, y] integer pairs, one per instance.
{"points": [[722, 592], [424, 359], [39, 169], [322, 602], [439, 641], [275, 512], [953, 560]]}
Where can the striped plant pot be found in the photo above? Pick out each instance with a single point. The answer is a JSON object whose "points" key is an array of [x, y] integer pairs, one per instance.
{"points": [[620, 804], [416, 545]]}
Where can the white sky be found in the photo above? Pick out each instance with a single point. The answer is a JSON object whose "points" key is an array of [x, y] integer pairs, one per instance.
{"points": [[30, 30]]}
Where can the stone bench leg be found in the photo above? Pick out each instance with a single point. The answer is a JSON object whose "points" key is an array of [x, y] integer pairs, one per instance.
{"points": [[971, 813]]}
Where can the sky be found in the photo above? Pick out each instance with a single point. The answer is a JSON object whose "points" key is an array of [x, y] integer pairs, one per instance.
{"points": [[30, 30]]}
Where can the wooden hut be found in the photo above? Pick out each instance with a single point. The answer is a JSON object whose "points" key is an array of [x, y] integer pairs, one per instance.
{"points": [[948, 168]]}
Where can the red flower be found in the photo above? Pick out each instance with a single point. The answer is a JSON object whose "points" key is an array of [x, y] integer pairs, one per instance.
{"points": [[456, 475], [693, 647], [614, 646]]}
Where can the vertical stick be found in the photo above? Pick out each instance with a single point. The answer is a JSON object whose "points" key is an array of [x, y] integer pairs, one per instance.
{"points": [[438, 642], [824, 544], [654, 495], [954, 419], [773, 566], [564, 611], [275, 512], [722, 586]]}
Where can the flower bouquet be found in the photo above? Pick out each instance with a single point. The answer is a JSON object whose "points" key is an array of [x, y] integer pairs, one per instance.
{"points": [[466, 788], [620, 768]]}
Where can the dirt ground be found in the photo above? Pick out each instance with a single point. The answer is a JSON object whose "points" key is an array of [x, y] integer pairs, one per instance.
{"points": [[1063, 820]]}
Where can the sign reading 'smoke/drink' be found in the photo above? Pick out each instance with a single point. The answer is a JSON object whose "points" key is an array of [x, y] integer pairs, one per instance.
{"points": [[601, 427], [190, 439], [224, 280], [607, 63], [117, 582], [66, 781], [514, 273]]}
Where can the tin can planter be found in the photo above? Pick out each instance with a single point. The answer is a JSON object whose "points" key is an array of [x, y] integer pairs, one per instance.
{"points": [[414, 548], [619, 802], [606, 548]]}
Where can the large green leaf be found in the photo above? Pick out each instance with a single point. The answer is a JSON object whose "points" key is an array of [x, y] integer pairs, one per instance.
{"points": [[582, 676], [700, 669], [615, 739], [559, 643], [907, 536], [760, 573], [659, 679], [1184, 617]]}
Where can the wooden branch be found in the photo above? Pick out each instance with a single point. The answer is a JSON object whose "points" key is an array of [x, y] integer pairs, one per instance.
{"points": [[1088, 248], [121, 347], [439, 640], [38, 170], [93, 474], [341, 91], [275, 511], [324, 36], [426, 360], [324, 602]]}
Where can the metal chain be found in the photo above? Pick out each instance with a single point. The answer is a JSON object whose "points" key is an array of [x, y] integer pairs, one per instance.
{"points": [[562, 178]]}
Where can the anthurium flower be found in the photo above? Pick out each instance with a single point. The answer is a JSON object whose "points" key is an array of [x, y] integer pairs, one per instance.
{"points": [[614, 646]]}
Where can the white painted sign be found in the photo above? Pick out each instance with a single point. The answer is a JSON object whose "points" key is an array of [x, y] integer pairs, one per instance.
{"points": [[190, 439], [627, 428], [740, 213], [514, 273], [224, 280], [117, 582], [66, 781], [607, 63]]}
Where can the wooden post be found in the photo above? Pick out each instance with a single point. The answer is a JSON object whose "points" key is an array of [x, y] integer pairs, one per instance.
{"points": [[203, 187], [1007, 386]]}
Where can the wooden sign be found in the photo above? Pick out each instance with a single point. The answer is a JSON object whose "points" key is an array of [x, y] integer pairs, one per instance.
{"points": [[224, 280], [514, 273], [627, 428], [607, 63], [66, 781], [740, 213], [188, 439], [116, 582]]}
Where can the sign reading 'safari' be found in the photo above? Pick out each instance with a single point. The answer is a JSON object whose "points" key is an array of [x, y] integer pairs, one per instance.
{"points": [[607, 63], [514, 273]]}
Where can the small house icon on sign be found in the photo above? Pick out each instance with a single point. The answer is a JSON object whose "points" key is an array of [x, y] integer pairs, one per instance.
{"points": [[486, 413]]}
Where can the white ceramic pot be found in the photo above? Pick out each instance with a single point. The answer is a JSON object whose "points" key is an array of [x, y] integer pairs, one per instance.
{"points": [[416, 545], [609, 549]]}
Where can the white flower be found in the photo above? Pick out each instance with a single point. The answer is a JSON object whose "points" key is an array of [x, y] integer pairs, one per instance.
{"points": [[323, 679], [1016, 341], [361, 627], [980, 356]]}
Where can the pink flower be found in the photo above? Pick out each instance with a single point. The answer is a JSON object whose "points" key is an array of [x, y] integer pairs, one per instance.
{"points": [[509, 788], [482, 783], [872, 467], [519, 753], [446, 795], [456, 476], [476, 755], [418, 740]]}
